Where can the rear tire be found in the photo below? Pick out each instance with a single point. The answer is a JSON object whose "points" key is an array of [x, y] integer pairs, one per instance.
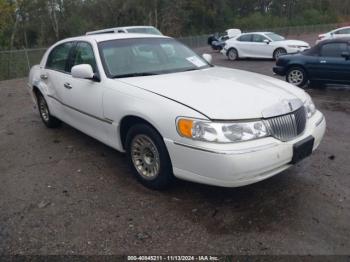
{"points": [[148, 157], [232, 54], [49, 120], [297, 76]]}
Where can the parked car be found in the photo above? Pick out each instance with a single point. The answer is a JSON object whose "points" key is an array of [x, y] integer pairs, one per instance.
{"points": [[128, 29], [261, 45], [327, 62], [218, 42], [336, 33], [172, 112]]}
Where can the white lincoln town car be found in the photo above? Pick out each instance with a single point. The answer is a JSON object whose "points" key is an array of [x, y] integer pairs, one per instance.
{"points": [[172, 112]]}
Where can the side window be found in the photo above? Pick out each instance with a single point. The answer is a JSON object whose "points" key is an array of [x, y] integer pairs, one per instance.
{"points": [[245, 38], [333, 49], [58, 57], [84, 55], [343, 31], [258, 38]]}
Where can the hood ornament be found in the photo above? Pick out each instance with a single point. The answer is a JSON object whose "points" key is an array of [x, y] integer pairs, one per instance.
{"points": [[284, 107]]}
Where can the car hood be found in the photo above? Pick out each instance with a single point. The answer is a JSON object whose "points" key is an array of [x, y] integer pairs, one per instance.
{"points": [[293, 42], [221, 93]]}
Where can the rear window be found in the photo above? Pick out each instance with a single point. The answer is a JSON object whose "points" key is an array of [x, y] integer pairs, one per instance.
{"points": [[334, 49]]}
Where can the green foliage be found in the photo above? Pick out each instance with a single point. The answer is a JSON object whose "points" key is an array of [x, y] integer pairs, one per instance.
{"points": [[33, 23]]}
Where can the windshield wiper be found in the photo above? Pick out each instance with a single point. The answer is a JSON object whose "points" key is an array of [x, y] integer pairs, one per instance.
{"points": [[134, 75]]}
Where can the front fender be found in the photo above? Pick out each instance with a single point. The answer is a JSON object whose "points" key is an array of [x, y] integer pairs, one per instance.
{"points": [[159, 111]]}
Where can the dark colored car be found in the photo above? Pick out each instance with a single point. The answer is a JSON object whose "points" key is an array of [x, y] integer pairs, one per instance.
{"points": [[327, 62], [217, 42]]}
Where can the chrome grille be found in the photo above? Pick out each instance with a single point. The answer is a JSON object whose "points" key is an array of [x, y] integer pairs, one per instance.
{"points": [[287, 127]]}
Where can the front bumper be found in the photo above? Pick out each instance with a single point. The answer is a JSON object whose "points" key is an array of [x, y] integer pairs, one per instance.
{"points": [[224, 51], [279, 70], [239, 164], [296, 50]]}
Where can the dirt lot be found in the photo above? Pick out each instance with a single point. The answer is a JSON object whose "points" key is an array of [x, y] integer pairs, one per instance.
{"points": [[62, 192]]}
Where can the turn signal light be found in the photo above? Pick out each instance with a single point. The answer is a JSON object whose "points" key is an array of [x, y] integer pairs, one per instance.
{"points": [[184, 127]]}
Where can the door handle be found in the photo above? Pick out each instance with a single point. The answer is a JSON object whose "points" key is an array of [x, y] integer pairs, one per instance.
{"points": [[68, 85], [44, 77], [323, 61]]}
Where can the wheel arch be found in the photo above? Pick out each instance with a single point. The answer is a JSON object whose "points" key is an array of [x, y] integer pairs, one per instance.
{"points": [[297, 65], [279, 47], [230, 48], [127, 122]]}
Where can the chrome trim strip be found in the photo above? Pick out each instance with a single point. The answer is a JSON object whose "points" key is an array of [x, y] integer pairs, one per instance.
{"points": [[231, 152], [319, 122], [105, 120]]}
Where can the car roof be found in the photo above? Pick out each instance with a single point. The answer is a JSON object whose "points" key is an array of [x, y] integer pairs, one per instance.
{"points": [[264, 33], [114, 29], [111, 36]]}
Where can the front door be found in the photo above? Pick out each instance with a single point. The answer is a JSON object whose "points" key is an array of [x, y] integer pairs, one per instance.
{"points": [[83, 97], [259, 48], [332, 65]]}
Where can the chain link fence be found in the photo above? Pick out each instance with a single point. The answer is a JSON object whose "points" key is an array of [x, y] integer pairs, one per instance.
{"points": [[17, 63]]}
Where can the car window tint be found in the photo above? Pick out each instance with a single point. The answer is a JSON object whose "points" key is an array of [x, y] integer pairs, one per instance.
{"points": [[333, 49], [258, 38], [245, 38], [343, 31], [58, 57], [84, 55]]}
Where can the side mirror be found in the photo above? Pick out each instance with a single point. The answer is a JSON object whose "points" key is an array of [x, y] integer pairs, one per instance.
{"points": [[266, 41], [207, 58], [83, 71], [346, 55]]}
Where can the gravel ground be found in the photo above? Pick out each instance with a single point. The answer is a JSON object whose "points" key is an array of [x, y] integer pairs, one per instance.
{"points": [[62, 192]]}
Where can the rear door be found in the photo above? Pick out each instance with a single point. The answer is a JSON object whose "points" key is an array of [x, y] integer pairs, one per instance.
{"points": [[244, 45], [55, 74]]}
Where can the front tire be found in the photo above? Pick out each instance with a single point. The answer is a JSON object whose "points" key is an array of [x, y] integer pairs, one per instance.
{"points": [[297, 76], [232, 54], [279, 52], [149, 157], [49, 120]]}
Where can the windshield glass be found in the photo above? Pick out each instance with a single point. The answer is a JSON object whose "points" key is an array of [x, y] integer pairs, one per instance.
{"points": [[144, 30], [275, 37], [147, 56]]}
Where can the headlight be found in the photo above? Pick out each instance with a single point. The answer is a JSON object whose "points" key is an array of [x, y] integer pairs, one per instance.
{"points": [[202, 130], [310, 107]]}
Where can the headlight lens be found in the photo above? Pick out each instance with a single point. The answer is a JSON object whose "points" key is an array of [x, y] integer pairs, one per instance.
{"points": [[310, 107], [202, 130]]}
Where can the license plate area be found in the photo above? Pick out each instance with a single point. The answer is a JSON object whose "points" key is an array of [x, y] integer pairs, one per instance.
{"points": [[302, 149]]}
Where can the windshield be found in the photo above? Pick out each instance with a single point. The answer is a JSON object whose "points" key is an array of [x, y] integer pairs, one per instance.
{"points": [[144, 30], [275, 37], [147, 56]]}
